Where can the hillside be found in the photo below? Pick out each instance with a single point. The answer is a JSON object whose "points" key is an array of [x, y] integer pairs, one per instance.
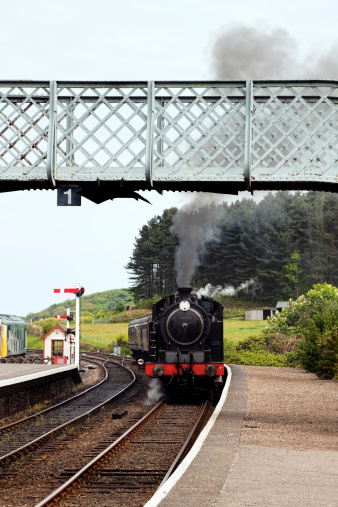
{"points": [[93, 303]]}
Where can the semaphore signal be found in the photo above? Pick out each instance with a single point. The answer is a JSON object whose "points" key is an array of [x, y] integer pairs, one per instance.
{"points": [[78, 292], [68, 317]]}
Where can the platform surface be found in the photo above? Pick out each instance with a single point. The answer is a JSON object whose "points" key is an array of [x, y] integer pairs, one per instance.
{"points": [[274, 443], [13, 373]]}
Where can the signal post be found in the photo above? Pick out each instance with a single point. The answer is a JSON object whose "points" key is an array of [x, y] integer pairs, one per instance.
{"points": [[78, 291]]}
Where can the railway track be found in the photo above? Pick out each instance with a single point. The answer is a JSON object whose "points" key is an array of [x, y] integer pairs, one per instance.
{"points": [[128, 471], [12, 422], [124, 360], [26, 434], [134, 467]]}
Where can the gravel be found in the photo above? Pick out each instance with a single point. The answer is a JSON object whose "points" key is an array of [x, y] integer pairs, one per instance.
{"points": [[287, 454], [289, 407]]}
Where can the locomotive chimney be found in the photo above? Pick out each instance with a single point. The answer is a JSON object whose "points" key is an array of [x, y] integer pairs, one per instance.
{"points": [[184, 292]]}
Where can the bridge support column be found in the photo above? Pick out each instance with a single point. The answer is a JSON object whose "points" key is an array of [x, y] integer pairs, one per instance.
{"points": [[51, 149], [248, 134], [150, 134]]}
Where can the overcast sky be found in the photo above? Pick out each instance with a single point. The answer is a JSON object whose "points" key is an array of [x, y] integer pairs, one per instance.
{"points": [[44, 246]]}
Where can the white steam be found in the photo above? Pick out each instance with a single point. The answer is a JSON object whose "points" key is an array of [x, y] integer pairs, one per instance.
{"points": [[227, 290], [155, 392], [197, 223]]}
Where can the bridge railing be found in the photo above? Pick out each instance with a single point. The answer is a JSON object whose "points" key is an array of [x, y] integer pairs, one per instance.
{"points": [[24, 126], [244, 132]]}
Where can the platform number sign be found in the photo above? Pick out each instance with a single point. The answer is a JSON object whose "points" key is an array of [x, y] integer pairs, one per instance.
{"points": [[68, 196]]}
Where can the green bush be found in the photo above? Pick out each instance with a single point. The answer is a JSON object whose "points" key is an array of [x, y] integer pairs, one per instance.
{"points": [[229, 313], [34, 330], [47, 325], [147, 304], [229, 349], [34, 342], [259, 358], [319, 346], [310, 323], [119, 307], [262, 351], [328, 353]]}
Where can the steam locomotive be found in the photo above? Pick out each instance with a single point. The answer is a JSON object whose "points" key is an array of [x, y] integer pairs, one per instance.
{"points": [[182, 341]]}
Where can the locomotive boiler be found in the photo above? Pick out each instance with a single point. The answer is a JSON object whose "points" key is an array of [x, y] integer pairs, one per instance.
{"points": [[182, 341]]}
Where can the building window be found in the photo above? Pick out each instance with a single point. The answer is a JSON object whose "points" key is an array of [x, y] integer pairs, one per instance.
{"points": [[57, 348]]}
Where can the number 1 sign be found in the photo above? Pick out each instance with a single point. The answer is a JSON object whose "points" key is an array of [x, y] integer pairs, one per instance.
{"points": [[68, 196]]}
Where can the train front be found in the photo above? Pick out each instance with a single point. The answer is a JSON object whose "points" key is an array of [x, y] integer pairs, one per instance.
{"points": [[188, 332]]}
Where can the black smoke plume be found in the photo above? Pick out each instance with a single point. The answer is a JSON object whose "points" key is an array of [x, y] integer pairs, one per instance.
{"points": [[243, 52], [196, 224]]}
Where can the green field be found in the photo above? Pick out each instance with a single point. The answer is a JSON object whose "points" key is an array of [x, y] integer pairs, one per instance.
{"points": [[34, 342], [103, 334], [236, 330], [100, 335]]}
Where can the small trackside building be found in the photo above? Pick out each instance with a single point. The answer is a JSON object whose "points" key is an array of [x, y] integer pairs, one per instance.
{"points": [[258, 314], [58, 346]]}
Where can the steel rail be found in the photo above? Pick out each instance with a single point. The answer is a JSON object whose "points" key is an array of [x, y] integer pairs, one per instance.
{"points": [[61, 492], [178, 458], [38, 440], [111, 358], [19, 422]]}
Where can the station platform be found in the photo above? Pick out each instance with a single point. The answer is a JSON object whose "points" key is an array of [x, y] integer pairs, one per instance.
{"points": [[272, 441], [24, 385], [13, 373]]}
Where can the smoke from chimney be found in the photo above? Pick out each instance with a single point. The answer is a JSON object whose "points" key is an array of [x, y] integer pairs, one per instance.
{"points": [[196, 224], [243, 52]]}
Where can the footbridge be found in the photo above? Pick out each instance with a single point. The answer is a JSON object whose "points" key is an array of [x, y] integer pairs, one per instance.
{"points": [[103, 140]]}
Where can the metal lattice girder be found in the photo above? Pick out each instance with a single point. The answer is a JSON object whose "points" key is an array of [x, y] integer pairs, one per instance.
{"points": [[24, 125], [199, 131], [173, 135], [294, 131], [101, 131]]}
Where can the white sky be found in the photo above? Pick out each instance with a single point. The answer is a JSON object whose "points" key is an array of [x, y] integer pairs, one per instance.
{"points": [[44, 246]]}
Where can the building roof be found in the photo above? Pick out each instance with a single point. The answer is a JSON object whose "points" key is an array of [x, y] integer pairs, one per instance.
{"points": [[57, 326], [11, 319], [281, 304]]}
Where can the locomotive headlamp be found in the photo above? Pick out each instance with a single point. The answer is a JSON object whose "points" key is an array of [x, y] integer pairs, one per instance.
{"points": [[158, 370], [210, 370], [184, 306]]}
